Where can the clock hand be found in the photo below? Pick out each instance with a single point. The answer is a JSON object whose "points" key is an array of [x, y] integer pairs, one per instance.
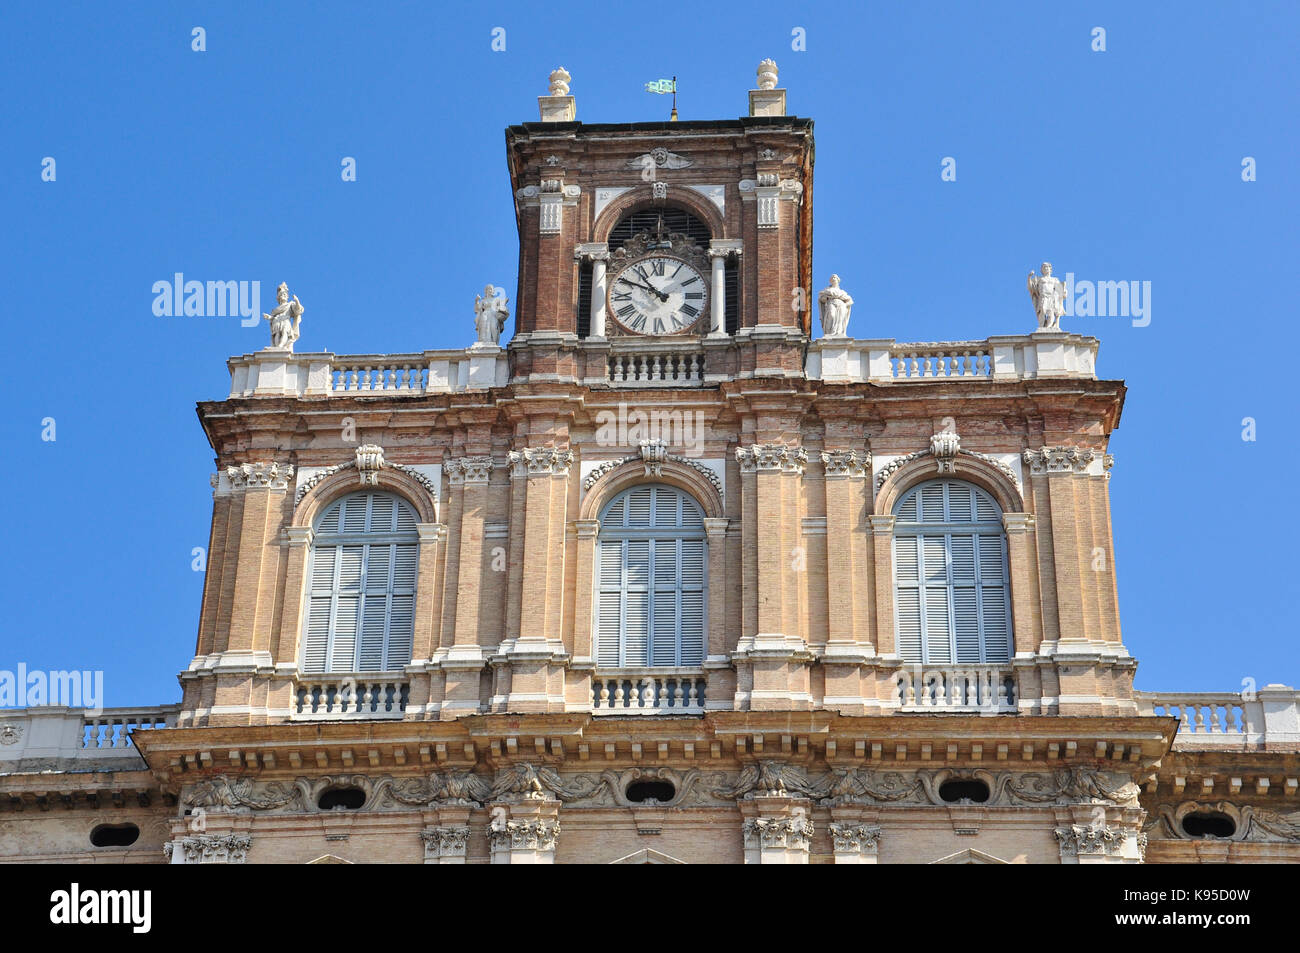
{"points": [[649, 288]]}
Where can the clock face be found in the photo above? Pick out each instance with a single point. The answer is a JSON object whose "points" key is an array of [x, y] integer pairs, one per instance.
{"points": [[657, 294]]}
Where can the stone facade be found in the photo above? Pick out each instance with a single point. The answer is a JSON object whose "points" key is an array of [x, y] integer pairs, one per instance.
{"points": [[804, 736]]}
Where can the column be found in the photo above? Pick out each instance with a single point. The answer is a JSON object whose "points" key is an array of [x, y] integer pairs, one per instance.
{"points": [[718, 294], [598, 260], [777, 830], [720, 249]]}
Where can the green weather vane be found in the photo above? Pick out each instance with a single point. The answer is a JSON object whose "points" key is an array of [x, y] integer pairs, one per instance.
{"points": [[665, 86]]}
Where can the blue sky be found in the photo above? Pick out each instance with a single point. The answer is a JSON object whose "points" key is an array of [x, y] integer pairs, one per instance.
{"points": [[1117, 165]]}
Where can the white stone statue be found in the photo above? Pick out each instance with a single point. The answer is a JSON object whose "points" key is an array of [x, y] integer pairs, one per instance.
{"points": [[490, 313], [835, 305], [1048, 294], [284, 319]]}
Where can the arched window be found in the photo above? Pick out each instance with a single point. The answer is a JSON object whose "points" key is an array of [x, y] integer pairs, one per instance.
{"points": [[361, 603], [951, 600], [650, 581]]}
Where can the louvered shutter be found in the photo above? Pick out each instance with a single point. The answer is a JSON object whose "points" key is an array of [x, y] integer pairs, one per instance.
{"points": [[950, 576], [650, 585], [360, 613]]}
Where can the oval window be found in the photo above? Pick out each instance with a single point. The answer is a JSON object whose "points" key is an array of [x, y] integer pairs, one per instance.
{"points": [[643, 792], [342, 799], [964, 790], [1209, 824], [114, 835]]}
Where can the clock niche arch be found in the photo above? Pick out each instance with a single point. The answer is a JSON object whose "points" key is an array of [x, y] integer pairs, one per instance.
{"points": [[622, 225]]}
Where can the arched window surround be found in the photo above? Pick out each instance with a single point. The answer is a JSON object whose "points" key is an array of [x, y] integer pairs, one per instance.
{"points": [[952, 593]]}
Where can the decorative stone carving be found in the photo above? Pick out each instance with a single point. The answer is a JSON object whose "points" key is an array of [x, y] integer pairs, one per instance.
{"points": [[417, 476], [369, 472], [846, 464], [596, 473], [491, 311], [660, 158], [654, 453], [1253, 824], [285, 319], [221, 794], [462, 470], [771, 456], [443, 842], [540, 461], [836, 305], [1048, 295], [767, 74], [864, 786], [270, 476], [946, 464], [523, 835], [370, 460], [855, 838], [559, 81], [767, 155], [769, 779], [945, 446], [460, 788], [10, 734], [1075, 840], [1060, 459], [769, 192], [530, 782], [679, 245], [211, 848], [659, 190], [795, 832]]}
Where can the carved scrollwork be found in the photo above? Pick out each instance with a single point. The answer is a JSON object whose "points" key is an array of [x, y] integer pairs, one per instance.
{"points": [[769, 779], [1250, 823], [528, 781]]}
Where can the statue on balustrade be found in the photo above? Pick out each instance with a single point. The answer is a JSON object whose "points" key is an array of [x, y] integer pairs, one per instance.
{"points": [[1048, 294], [490, 313], [284, 319], [835, 306]]}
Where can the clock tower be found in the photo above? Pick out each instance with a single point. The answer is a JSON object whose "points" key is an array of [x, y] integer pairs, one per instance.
{"points": [[652, 248]]}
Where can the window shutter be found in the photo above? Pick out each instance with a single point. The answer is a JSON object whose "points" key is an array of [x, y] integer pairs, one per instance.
{"points": [[651, 580], [950, 576], [360, 613]]}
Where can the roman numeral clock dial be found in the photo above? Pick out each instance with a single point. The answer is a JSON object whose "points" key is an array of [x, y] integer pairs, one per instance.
{"points": [[658, 295]]}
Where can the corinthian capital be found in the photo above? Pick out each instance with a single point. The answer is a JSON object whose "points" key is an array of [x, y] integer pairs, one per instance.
{"points": [[540, 461], [846, 464], [469, 470], [1060, 459], [771, 456], [271, 476]]}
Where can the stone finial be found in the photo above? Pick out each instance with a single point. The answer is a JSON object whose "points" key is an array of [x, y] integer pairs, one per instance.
{"points": [[767, 100], [557, 105], [836, 306]]}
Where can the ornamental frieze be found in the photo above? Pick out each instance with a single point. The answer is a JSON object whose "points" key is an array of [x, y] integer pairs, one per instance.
{"points": [[1254, 824], [1075, 839]]}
